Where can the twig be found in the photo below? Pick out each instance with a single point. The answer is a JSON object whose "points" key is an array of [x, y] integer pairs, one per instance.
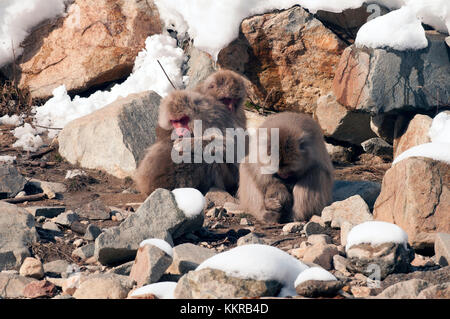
{"points": [[28, 198], [166, 75], [48, 128], [282, 240], [42, 153]]}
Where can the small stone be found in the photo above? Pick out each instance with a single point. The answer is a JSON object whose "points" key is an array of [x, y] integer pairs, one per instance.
{"points": [[56, 268], [317, 219], [124, 269], [251, 238], [78, 227], [149, 265], [353, 210], [232, 208], [32, 267], [312, 228], [298, 253], [319, 239], [20, 194], [422, 261], [13, 285], [360, 292], [104, 286], [119, 214], [442, 249], [66, 219], [245, 222], [291, 228], [321, 255], [92, 232], [85, 251], [11, 181], [404, 290], [218, 197], [377, 146], [51, 226], [212, 213], [78, 242], [339, 263], [39, 289], [187, 257], [48, 212], [319, 288]]}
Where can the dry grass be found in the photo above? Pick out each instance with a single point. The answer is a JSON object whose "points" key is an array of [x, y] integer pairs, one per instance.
{"points": [[13, 100]]}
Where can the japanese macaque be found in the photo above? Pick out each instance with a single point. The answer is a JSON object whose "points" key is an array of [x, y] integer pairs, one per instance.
{"points": [[301, 185], [229, 88], [179, 112]]}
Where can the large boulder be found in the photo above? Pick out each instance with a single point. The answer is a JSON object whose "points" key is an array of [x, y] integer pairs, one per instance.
{"points": [[368, 190], [289, 56], [384, 80], [416, 133], [415, 195], [158, 217], [96, 42], [11, 181], [113, 138], [17, 231]]}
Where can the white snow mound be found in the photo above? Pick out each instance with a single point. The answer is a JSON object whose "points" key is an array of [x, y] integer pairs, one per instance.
{"points": [[376, 233], [14, 119], [190, 200], [314, 273], [162, 290], [259, 262], [160, 243]]}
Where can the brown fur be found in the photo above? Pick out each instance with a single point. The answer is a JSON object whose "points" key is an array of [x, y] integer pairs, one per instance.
{"points": [[303, 158], [157, 170]]}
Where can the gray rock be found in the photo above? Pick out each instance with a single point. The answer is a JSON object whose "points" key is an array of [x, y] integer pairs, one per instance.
{"points": [[157, 217], [346, 227], [312, 228], [85, 251], [381, 260], [51, 189], [369, 191], [94, 210], [353, 210], [12, 285], [251, 238], [218, 197], [340, 264], [319, 288], [199, 66], [17, 231], [339, 154], [385, 80], [92, 232], [187, 257], [66, 219], [56, 268], [104, 286], [291, 228], [442, 249], [49, 211], [124, 269], [404, 290], [379, 147], [126, 127], [149, 265], [319, 239], [51, 226], [216, 284], [11, 181]]}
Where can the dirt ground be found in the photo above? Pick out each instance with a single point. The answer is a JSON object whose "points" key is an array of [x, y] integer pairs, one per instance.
{"points": [[219, 233]]}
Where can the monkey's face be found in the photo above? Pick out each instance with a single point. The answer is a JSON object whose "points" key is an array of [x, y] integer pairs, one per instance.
{"points": [[227, 87], [296, 156]]}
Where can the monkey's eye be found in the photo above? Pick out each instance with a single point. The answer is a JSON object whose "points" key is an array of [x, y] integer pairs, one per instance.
{"points": [[302, 145]]}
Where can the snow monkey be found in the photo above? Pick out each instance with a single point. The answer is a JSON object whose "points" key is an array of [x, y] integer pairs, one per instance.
{"points": [[179, 111], [301, 185]]}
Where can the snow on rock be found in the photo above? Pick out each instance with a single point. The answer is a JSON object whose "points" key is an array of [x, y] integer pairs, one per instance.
{"points": [[27, 138], [439, 147], [376, 233], [314, 273], [259, 262], [147, 75], [73, 173], [160, 243], [162, 290], [17, 18], [190, 200], [8, 159], [399, 29], [14, 119]]}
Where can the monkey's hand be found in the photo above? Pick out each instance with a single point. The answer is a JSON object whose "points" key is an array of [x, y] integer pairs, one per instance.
{"points": [[277, 197]]}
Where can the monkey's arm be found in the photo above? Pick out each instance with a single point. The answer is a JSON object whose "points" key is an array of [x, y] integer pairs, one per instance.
{"points": [[277, 201]]}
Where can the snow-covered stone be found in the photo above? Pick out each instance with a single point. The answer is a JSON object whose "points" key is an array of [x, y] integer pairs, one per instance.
{"points": [[317, 282], [160, 290]]}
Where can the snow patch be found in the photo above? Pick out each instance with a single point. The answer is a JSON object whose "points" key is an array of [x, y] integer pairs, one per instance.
{"points": [[27, 138], [160, 243], [376, 233], [162, 290], [259, 262], [14, 119], [190, 200], [439, 147], [314, 273], [17, 18], [73, 173], [8, 159]]}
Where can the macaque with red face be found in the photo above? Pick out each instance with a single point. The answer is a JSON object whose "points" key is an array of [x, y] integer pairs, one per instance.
{"points": [[177, 113], [301, 185]]}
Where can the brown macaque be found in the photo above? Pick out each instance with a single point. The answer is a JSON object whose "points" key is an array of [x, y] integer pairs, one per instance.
{"points": [[178, 112], [228, 87], [301, 185]]}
